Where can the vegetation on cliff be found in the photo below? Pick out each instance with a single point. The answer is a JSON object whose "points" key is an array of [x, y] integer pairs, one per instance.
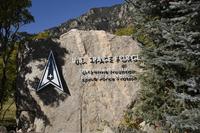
{"points": [[127, 31]]}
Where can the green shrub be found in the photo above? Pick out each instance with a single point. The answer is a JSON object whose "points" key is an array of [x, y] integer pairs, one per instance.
{"points": [[127, 31], [41, 35]]}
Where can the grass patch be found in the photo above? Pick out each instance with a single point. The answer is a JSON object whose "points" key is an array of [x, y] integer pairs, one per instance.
{"points": [[8, 115]]}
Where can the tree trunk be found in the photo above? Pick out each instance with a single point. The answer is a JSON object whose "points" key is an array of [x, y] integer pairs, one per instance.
{"points": [[4, 76], [3, 84]]}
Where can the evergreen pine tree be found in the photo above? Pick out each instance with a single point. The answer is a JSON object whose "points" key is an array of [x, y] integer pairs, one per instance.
{"points": [[170, 92]]}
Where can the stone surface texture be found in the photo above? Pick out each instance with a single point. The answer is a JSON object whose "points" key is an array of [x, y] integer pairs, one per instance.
{"points": [[92, 107]]}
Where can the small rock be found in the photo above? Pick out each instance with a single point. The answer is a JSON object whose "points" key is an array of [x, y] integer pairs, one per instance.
{"points": [[39, 125], [107, 130], [3, 129]]}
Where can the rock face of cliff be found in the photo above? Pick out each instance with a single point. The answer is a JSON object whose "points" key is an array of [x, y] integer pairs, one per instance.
{"points": [[106, 18], [96, 90]]}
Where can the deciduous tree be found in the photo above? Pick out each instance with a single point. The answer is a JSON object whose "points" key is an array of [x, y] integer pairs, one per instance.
{"points": [[13, 15]]}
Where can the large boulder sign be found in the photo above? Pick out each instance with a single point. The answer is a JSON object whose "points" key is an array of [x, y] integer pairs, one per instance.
{"points": [[97, 78]]}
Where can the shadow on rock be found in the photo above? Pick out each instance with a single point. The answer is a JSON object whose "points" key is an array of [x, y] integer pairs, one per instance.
{"points": [[38, 51]]}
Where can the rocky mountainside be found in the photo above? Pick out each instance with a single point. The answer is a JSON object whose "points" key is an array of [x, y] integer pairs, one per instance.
{"points": [[106, 18]]}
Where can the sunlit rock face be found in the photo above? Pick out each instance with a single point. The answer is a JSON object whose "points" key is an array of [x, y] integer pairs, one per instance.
{"points": [[98, 72]]}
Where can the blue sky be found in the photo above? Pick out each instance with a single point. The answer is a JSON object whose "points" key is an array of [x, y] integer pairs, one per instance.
{"points": [[50, 13]]}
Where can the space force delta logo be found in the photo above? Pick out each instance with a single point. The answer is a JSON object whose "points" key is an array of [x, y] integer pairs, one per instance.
{"points": [[51, 75]]}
